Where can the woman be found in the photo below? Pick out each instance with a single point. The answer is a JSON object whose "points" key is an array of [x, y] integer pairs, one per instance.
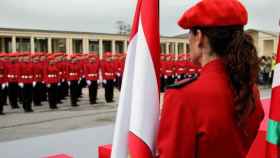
{"points": [[218, 114]]}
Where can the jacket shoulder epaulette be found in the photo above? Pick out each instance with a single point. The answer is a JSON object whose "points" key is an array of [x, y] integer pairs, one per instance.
{"points": [[182, 83]]}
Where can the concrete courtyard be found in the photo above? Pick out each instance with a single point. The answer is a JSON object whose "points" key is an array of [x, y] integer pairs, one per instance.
{"points": [[76, 131]]}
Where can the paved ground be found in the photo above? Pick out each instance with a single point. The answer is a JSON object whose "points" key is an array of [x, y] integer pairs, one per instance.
{"points": [[17, 124], [74, 131]]}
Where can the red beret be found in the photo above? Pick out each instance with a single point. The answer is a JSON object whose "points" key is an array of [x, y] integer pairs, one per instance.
{"points": [[51, 57], [212, 13], [107, 54]]}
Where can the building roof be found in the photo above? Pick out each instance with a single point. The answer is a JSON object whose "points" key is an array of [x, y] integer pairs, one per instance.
{"points": [[276, 34], [73, 32]]}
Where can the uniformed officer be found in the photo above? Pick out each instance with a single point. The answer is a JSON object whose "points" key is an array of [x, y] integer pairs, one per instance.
{"points": [[61, 77], [91, 71], [64, 85], [218, 114], [51, 78], [81, 58], [3, 82], [38, 79], [108, 75], [181, 67], [44, 64], [13, 76], [74, 74], [26, 79], [119, 67], [168, 70]]}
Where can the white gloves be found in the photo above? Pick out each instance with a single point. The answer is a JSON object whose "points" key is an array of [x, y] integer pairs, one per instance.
{"points": [[58, 84], [34, 84], [69, 83], [99, 81], [104, 81], [48, 85], [118, 74], [179, 76], [88, 82], [3, 86], [165, 76], [21, 85]]}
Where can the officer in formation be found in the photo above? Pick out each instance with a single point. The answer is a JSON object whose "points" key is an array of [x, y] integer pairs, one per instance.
{"points": [[173, 71], [29, 79]]}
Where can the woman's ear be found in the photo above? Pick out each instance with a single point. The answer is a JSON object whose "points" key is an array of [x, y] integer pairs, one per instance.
{"points": [[199, 38]]}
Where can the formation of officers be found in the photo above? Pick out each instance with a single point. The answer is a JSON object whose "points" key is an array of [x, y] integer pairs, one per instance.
{"points": [[29, 79]]}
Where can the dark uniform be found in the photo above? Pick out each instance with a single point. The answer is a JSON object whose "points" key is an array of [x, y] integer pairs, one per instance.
{"points": [[108, 75], [13, 77], [91, 70], [181, 68], [51, 78], [119, 64], [26, 79], [38, 79], [44, 64], [74, 75], [168, 70], [3, 83], [61, 76]]}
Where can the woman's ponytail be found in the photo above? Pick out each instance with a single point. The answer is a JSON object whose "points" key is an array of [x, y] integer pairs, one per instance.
{"points": [[239, 54]]}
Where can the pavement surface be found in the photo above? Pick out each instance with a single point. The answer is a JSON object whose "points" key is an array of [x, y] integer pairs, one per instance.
{"points": [[75, 131]]}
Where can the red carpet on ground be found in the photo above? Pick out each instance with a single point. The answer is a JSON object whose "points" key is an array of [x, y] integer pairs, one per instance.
{"points": [[257, 150]]}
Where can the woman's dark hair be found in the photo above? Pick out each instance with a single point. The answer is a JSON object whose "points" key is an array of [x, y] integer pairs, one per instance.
{"points": [[241, 61]]}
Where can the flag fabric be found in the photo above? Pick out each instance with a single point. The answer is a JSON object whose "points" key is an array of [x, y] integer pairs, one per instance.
{"points": [[138, 112], [273, 131]]}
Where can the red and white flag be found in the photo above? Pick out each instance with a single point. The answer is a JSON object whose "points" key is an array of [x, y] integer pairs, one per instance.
{"points": [[138, 112], [273, 131]]}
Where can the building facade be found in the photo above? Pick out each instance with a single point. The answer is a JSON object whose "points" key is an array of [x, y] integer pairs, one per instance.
{"points": [[31, 40], [266, 42]]}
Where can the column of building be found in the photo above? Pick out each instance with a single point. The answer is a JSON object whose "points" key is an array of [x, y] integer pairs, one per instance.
{"points": [[14, 44], [100, 48], [32, 45], [85, 45]]}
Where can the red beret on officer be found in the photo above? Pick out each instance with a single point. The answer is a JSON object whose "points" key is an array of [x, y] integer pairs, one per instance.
{"points": [[211, 13]]}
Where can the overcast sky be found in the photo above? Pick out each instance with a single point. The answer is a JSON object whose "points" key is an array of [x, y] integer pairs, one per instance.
{"points": [[101, 15]]}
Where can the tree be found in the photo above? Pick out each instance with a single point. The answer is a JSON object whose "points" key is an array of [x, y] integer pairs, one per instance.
{"points": [[123, 27]]}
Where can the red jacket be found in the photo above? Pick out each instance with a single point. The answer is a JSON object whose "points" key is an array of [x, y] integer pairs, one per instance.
{"points": [[74, 72], [168, 68], [3, 72], [108, 70], [119, 66], [91, 71], [12, 71], [197, 119], [51, 74], [192, 69], [181, 68], [38, 72], [26, 73]]}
